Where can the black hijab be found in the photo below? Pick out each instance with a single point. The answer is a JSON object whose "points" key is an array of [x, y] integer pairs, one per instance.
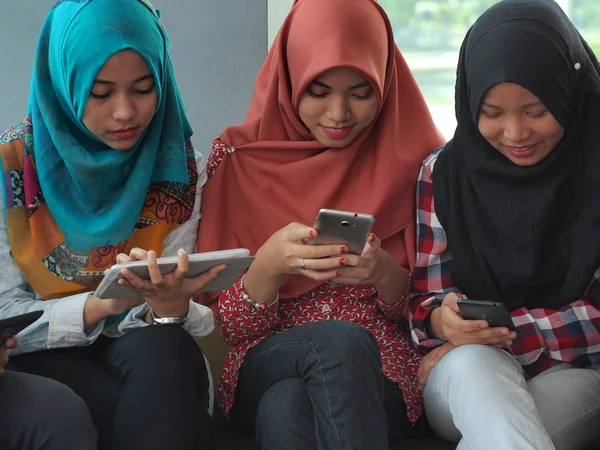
{"points": [[527, 236]]}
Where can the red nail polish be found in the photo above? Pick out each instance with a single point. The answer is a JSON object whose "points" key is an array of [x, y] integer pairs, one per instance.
{"points": [[343, 261], [344, 250], [313, 233], [371, 237]]}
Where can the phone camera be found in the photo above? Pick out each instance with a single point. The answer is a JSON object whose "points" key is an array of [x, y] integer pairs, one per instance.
{"points": [[345, 223]]}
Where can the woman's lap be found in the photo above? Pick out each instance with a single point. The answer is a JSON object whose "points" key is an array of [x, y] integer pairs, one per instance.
{"points": [[561, 404], [132, 383]]}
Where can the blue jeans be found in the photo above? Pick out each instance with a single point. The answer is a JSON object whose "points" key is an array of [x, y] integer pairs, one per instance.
{"points": [[319, 386]]}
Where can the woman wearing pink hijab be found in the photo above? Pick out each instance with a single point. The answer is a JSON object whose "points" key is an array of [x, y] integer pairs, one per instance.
{"points": [[321, 355]]}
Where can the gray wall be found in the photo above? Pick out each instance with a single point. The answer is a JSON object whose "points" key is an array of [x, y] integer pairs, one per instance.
{"points": [[218, 47]]}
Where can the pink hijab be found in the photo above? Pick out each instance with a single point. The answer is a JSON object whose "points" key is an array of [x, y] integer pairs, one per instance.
{"points": [[279, 173]]}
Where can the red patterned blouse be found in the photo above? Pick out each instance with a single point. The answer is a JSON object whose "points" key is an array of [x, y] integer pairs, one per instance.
{"points": [[243, 326]]}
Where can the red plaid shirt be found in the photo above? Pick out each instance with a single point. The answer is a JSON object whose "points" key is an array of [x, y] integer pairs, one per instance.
{"points": [[544, 336]]}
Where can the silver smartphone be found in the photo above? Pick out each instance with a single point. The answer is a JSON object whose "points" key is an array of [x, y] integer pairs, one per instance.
{"points": [[343, 227]]}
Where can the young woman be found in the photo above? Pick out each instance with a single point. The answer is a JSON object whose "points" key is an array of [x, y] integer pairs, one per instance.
{"points": [[103, 166], [508, 212], [320, 351]]}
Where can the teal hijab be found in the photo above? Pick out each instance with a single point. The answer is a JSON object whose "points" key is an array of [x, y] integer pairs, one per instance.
{"points": [[95, 193]]}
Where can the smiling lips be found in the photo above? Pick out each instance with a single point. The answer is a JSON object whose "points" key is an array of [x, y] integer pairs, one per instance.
{"points": [[522, 152], [338, 133], [124, 133]]}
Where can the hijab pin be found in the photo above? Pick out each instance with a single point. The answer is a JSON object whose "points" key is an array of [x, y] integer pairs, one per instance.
{"points": [[577, 66]]}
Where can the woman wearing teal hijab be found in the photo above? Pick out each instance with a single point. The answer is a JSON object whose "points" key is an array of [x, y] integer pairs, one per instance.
{"points": [[102, 171]]}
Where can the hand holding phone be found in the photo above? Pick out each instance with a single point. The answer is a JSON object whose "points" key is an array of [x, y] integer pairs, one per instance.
{"points": [[343, 227], [11, 326], [447, 324], [367, 262], [9, 343], [286, 253], [494, 312]]}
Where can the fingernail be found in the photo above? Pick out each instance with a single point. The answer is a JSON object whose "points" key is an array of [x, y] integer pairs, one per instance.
{"points": [[344, 250], [181, 251], [505, 331], [338, 273], [343, 261], [483, 325], [313, 233], [370, 237]]}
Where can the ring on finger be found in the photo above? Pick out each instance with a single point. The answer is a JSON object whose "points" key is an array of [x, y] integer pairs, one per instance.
{"points": [[302, 265]]}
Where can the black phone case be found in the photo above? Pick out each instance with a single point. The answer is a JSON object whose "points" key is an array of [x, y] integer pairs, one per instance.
{"points": [[13, 325], [494, 312]]}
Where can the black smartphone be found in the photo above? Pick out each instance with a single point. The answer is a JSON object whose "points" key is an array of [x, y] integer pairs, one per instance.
{"points": [[494, 312], [13, 325]]}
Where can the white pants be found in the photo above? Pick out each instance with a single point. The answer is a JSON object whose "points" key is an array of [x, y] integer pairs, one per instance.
{"points": [[478, 396]]}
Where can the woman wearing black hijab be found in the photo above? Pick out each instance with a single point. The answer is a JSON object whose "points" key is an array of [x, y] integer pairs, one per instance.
{"points": [[509, 211]]}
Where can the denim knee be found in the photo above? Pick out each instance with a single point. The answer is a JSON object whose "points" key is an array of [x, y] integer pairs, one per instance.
{"points": [[346, 342]]}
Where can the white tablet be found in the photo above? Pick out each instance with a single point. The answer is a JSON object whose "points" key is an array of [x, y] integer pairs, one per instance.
{"points": [[237, 261]]}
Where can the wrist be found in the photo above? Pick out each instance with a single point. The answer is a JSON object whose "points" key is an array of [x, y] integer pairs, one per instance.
{"points": [[435, 324], [170, 320], [392, 281], [94, 311], [390, 268], [259, 286], [170, 311], [260, 268], [257, 304], [148, 316]]}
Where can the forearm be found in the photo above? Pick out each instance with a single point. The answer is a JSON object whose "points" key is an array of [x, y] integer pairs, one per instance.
{"points": [[200, 320], [567, 334], [261, 286], [61, 326], [392, 285], [93, 312], [420, 321], [435, 324]]}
